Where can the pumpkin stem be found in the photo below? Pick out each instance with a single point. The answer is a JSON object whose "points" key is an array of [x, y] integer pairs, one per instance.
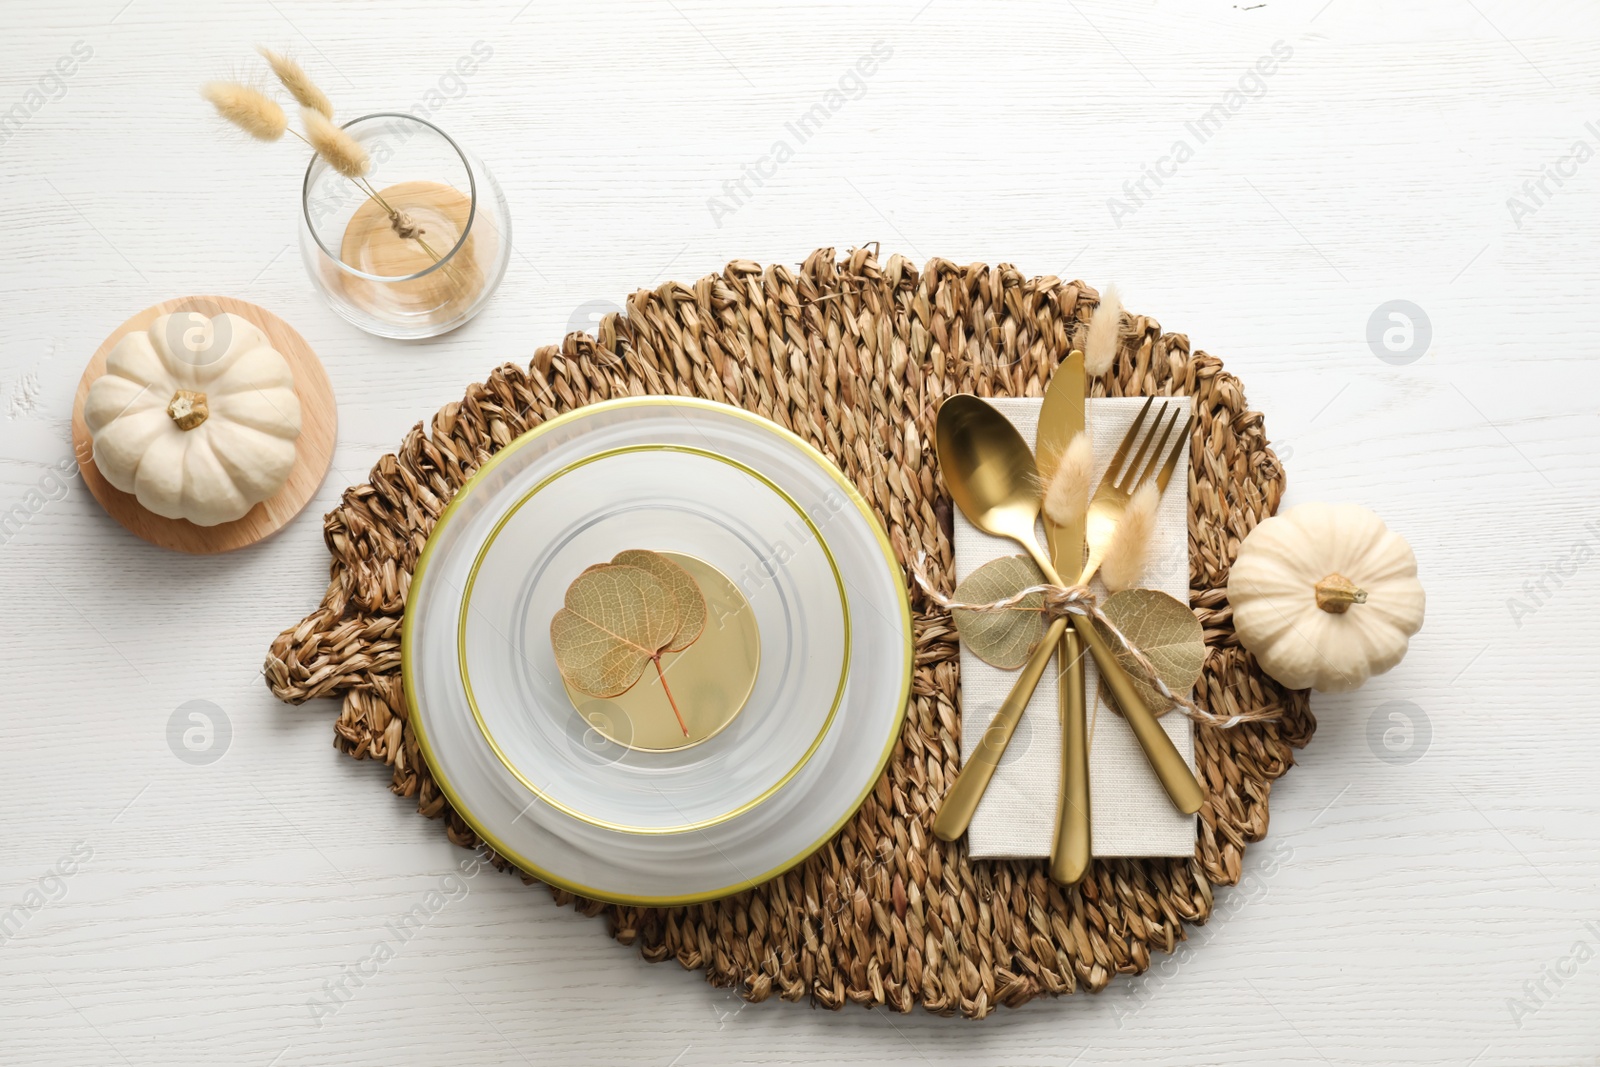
{"points": [[1336, 593], [188, 409]]}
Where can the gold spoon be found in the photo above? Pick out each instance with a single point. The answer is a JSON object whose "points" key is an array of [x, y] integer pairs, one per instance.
{"points": [[992, 478]]}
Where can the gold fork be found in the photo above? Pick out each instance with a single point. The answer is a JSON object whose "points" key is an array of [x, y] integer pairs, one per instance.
{"points": [[1110, 499]]}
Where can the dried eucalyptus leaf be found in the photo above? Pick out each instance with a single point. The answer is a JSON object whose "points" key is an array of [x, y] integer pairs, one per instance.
{"points": [[616, 620], [1001, 638], [1169, 635], [618, 616], [691, 603]]}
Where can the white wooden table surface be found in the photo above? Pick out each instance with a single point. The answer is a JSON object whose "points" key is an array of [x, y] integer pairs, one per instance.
{"points": [[1430, 891]]}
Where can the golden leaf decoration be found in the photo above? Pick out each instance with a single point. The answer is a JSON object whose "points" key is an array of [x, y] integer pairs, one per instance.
{"points": [[621, 615], [1001, 638], [1169, 635]]}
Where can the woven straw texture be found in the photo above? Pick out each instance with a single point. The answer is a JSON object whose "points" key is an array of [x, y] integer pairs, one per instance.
{"points": [[854, 356]]}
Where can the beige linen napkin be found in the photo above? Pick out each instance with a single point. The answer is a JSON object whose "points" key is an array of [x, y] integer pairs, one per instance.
{"points": [[1130, 812]]}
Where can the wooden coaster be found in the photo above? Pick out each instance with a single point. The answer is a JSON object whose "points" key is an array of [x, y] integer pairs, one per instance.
{"points": [[313, 448]]}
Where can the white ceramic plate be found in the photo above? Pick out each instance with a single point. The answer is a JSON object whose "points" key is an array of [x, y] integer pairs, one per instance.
{"points": [[679, 475]]}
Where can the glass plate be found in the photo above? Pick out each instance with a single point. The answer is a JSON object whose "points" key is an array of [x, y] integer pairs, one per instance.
{"points": [[747, 803], [666, 498]]}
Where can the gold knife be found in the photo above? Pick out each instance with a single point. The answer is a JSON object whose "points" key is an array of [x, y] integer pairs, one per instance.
{"points": [[1060, 419]]}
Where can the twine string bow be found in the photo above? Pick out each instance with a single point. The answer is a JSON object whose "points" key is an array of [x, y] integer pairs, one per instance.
{"points": [[405, 227], [1063, 600]]}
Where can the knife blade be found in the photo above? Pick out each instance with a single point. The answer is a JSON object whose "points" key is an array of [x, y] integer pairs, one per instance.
{"points": [[1061, 418]]}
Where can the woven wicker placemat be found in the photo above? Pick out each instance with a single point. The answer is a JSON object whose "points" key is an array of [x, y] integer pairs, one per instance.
{"points": [[854, 356]]}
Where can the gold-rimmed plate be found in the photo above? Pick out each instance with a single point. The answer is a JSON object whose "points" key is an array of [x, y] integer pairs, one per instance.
{"points": [[788, 786], [665, 497]]}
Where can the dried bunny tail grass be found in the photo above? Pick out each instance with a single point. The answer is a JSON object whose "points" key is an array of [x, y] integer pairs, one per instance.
{"points": [[1104, 326], [334, 145], [251, 110], [1130, 544], [1066, 498], [294, 78]]}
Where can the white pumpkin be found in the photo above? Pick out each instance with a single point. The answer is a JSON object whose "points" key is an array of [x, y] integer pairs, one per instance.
{"points": [[1325, 596], [197, 418]]}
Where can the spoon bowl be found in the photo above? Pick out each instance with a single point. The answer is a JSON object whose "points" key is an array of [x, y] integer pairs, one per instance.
{"points": [[991, 473]]}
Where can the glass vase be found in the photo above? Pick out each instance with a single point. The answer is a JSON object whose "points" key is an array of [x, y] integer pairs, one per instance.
{"points": [[417, 245]]}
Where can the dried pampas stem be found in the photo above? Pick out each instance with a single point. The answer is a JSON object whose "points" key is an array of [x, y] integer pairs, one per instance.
{"points": [[1130, 544], [261, 117], [346, 156], [1104, 327], [1066, 498], [293, 78], [339, 149], [251, 110]]}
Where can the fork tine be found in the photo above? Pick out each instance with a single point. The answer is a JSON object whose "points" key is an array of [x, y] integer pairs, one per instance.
{"points": [[1172, 461], [1127, 442], [1157, 452], [1130, 479]]}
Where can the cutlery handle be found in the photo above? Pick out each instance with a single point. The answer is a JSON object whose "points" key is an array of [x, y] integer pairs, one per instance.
{"points": [[1070, 853], [1176, 778], [962, 799]]}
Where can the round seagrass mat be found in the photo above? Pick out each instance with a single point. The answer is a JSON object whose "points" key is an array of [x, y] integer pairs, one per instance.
{"points": [[855, 357]]}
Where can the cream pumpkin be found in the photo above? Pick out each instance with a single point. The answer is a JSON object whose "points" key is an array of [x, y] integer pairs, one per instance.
{"points": [[1325, 596], [196, 417]]}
